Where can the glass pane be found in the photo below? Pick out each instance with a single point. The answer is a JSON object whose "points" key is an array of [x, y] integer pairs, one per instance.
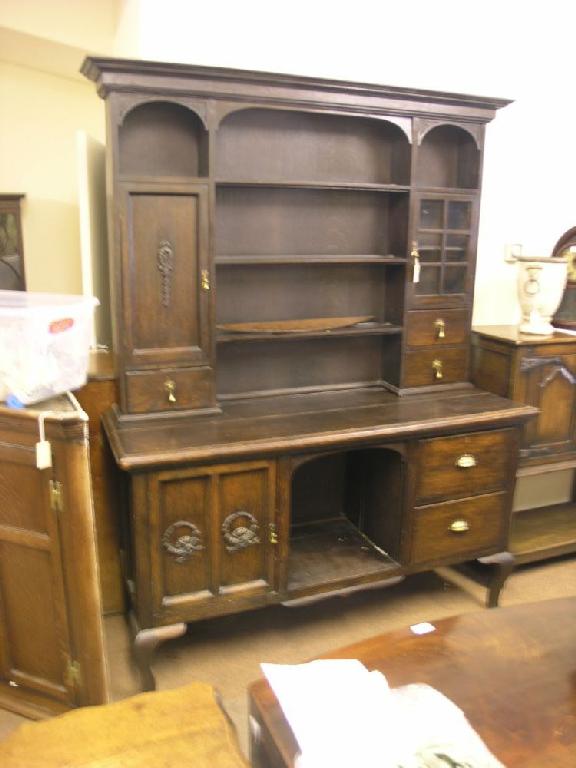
{"points": [[458, 214], [432, 214], [430, 247], [429, 281], [456, 247], [454, 279]]}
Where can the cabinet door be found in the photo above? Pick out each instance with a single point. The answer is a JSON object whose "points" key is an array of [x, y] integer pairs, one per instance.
{"points": [[443, 250], [51, 638], [548, 381], [34, 633], [211, 541], [165, 341]]}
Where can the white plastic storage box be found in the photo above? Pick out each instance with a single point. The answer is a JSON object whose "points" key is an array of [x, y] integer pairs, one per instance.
{"points": [[44, 344]]}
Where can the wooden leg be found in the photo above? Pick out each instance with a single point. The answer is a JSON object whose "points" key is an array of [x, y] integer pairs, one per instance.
{"points": [[145, 643], [503, 565]]}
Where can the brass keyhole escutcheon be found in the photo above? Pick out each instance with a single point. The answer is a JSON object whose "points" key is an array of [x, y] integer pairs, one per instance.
{"points": [[205, 280], [437, 369], [170, 388], [440, 327]]}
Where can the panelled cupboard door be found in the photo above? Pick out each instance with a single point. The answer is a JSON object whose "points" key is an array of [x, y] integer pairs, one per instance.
{"points": [[51, 635], [165, 275], [212, 539], [34, 634], [547, 382]]}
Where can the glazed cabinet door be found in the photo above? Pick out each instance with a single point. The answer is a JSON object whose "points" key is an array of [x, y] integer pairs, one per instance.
{"points": [[443, 250], [212, 542], [166, 297]]}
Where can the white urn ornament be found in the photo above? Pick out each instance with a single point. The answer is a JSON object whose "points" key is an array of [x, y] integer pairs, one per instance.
{"points": [[541, 283]]}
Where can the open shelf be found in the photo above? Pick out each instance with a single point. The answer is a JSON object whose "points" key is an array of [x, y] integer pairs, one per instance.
{"points": [[259, 143], [336, 554], [307, 184], [544, 532], [238, 261], [363, 329]]}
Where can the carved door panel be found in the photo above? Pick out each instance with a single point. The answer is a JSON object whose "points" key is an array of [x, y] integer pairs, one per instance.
{"points": [[165, 340], [549, 383], [212, 535]]}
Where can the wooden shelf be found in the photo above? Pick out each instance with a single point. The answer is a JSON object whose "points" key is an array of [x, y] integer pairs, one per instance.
{"points": [[287, 260], [306, 184], [368, 329], [334, 554], [544, 532]]}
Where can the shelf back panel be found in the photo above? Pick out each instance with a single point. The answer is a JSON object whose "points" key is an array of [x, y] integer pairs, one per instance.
{"points": [[289, 145]]}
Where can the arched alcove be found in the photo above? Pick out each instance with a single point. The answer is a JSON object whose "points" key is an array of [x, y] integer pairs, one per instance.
{"points": [[162, 138], [448, 157]]}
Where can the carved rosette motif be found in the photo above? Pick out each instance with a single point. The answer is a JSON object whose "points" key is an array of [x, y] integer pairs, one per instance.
{"points": [[182, 546], [240, 530], [165, 264]]}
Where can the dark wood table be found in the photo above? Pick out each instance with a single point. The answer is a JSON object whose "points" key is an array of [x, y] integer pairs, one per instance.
{"points": [[511, 670]]}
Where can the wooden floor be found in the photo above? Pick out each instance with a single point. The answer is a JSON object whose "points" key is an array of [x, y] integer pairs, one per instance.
{"points": [[227, 651]]}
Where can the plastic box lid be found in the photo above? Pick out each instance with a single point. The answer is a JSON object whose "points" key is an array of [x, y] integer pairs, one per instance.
{"points": [[23, 303]]}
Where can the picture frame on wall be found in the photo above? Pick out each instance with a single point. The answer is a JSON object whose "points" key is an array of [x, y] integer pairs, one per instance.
{"points": [[12, 274]]}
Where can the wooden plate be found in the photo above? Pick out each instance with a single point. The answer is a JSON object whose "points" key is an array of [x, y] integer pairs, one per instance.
{"points": [[295, 326]]}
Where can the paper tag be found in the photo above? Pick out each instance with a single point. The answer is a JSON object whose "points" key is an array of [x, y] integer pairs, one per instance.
{"points": [[416, 277], [43, 454]]}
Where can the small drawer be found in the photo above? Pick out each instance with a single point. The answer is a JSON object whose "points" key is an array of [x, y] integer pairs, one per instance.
{"points": [[465, 465], [438, 327], [466, 527], [174, 389], [434, 367]]}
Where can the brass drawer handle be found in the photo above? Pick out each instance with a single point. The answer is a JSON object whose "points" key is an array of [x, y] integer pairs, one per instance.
{"points": [[460, 526], [437, 369], [170, 387], [466, 461], [440, 328]]}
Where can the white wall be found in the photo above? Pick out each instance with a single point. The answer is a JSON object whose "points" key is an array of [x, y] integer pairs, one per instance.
{"points": [[519, 50]]}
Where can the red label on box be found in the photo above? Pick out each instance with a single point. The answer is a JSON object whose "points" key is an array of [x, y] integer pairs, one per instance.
{"points": [[57, 326]]}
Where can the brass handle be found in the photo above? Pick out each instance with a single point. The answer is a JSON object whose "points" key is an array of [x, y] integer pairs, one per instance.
{"points": [[416, 259], [460, 526], [205, 280], [466, 461], [273, 534], [170, 387], [440, 327], [437, 369]]}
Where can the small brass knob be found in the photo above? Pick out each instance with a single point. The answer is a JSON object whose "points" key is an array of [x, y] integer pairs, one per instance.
{"points": [[460, 526], [440, 327], [170, 387], [273, 534], [466, 461], [437, 369]]}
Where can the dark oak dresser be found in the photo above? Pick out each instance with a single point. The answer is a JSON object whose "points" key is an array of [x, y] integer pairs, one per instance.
{"points": [[292, 272]]}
